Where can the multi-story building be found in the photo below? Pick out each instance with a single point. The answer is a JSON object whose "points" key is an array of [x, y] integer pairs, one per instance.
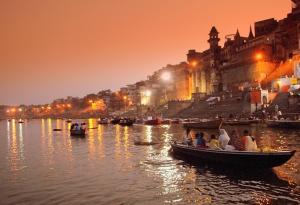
{"points": [[243, 61]]}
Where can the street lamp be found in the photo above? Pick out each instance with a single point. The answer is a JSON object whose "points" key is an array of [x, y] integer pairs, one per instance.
{"points": [[194, 63], [166, 76], [148, 93], [259, 56], [125, 98]]}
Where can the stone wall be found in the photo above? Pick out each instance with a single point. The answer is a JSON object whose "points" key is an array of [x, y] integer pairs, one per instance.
{"points": [[236, 76]]}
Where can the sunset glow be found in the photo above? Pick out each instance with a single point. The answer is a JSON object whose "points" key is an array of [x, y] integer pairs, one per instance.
{"points": [[71, 48]]}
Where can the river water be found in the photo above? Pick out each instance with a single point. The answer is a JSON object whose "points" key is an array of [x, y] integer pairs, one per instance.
{"points": [[40, 166]]}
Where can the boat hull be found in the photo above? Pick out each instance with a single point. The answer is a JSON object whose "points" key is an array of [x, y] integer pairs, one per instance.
{"points": [[153, 122], [77, 133], [212, 124], [284, 124], [241, 122], [126, 123], [238, 159]]}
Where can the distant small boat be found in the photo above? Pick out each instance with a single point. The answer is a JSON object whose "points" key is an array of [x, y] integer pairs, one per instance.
{"points": [[203, 124], [241, 122], [20, 121], [166, 122], [138, 121], [290, 124], [176, 121], [142, 143], [155, 121], [103, 121], [126, 122], [77, 133], [237, 159], [69, 121], [57, 129], [115, 121], [93, 128]]}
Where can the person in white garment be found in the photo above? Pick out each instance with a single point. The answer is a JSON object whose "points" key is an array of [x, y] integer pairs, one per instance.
{"points": [[224, 139]]}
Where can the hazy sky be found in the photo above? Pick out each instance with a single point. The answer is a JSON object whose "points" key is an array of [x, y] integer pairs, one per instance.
{"points": [[55, 48]]}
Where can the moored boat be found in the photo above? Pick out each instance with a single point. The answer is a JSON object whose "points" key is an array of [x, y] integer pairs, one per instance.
{"points": [[115, 121], [238, 159], [203, 124], [292, 124], [126, 122], [241, 122], [77, 133], [21, 121], [155, 121], [176, 121], [166, 122], [103, 121]]}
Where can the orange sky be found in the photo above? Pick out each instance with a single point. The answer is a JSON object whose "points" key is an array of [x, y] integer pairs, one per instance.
{"points": [[55, 48]]}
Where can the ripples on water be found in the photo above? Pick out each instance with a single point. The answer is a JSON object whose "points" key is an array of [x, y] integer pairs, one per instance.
{"points": [[40, 166]]}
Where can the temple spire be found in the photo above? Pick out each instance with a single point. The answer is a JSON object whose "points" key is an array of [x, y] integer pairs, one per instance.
{"points": [[237, 35], [251, 36]]}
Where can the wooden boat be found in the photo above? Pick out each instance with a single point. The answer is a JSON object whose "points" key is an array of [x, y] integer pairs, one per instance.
{"points": [[155, 121], [103, 121], [166, 122], [57, 129], [21, 121], [115, 121], [142, 143], [126, 122], [292, 124], [204, 124], [176, 121], [77, 133], [241, 122], [238, 159]]}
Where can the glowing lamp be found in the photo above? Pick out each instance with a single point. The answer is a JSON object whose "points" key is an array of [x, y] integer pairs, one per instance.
{"points": [[20, 110], [166, 76], [148, 93], [259, 56], [194, 63]]}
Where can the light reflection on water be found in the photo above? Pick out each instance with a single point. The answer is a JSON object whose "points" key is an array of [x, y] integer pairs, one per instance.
{"points": [[46, 167]]}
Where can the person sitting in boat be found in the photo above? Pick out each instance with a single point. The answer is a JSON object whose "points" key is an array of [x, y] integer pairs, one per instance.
{"points": [[236, 141], [74, 126], [214, 143], [200, 141], [249, 142], [224, 140], [187, 139], [82, 126]]}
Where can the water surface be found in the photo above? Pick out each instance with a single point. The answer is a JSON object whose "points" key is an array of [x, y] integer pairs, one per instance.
{"points": [[40, 166]]}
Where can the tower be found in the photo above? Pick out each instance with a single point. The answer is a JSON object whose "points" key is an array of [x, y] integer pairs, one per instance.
{"points": [[214, 75], [213, 38], [251, 36]]}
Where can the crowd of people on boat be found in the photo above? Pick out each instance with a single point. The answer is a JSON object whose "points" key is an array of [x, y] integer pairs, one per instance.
{"points": [[77, 127], [244, 142]]}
